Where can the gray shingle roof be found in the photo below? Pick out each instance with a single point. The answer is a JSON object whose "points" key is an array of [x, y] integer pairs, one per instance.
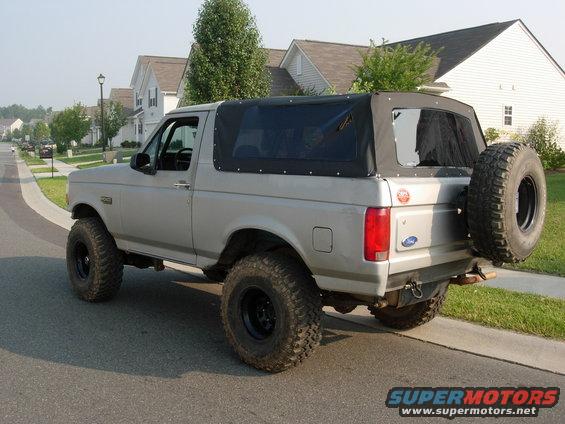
{"points": [[337, 61], [458, 45], [282, 83]]}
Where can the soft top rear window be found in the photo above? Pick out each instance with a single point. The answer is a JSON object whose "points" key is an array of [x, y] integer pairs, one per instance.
{"points": [[327, 135], [433, 137]]}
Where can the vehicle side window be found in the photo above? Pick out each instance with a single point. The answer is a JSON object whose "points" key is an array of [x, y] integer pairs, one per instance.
{"points": [[151, 149], [177, 144], [433, 137]]}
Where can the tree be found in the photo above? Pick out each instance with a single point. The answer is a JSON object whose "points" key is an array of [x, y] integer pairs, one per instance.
{"points": [[41, 131], [542, 136], [394, 68], [16, 134], [68, 125], [114, 119], [227, 61], [22, 112], [26, 130]]}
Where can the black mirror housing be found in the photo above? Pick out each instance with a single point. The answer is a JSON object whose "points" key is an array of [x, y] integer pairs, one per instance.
{"points": [[139, 160]]}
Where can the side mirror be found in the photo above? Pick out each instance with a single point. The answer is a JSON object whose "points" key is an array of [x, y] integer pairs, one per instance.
{"points": [[139, 160]]}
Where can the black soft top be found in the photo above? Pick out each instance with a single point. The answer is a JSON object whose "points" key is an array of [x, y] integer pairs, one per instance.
{"points": [[267, 135]]}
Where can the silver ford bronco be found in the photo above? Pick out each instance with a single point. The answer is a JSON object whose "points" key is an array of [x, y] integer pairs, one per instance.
{"points": [[295, 203]]}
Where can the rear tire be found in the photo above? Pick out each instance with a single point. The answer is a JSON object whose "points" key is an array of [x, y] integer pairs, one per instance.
{"points": [[271, 311], [94, 263], [506, 202], [410, 316]]}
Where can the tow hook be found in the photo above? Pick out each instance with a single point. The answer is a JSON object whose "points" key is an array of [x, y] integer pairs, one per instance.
{"points": [[414, 287], [476, 276]]}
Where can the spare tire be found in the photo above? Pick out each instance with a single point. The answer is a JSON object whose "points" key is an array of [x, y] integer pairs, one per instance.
{"points": [[506, 202]]}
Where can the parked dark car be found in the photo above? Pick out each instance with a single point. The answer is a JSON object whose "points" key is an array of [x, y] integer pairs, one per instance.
{"points": [[46, 152]]}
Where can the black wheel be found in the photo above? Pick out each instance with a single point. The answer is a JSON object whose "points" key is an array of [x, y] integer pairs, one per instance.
{"points": [[271, 311], [506, 202], [409, 316], [94, 263]]}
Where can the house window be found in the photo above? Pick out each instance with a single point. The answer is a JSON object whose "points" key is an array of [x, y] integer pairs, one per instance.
{"points": [[140, 128], [299, 65], [138, 100], [508, 115], [152, 100]]}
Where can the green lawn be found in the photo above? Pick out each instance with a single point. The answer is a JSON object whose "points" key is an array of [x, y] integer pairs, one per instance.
{"points": [[80, 159], [31, 160], [43, 170], [93, 157], [55, 189], [494, 307], [549, 255], [92, 165], [80, 151]]}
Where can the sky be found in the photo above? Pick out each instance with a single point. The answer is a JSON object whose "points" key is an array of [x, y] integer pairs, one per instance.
{"points": [[52, 51]]}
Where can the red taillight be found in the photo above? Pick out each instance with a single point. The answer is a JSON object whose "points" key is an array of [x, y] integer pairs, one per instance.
{"points": [[377, 234]]}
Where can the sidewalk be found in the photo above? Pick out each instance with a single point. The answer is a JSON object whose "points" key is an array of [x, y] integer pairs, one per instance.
{"points": [[527, 282], [63, 168]]}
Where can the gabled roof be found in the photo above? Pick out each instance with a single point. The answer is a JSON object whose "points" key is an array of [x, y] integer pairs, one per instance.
{"points": [[274, 56], [124, 96], [168, 73], [336, 61], [458, 45], [282, 83], [6, 122], [143, 62]]}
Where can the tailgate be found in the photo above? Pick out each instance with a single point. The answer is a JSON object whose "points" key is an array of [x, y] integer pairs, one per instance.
{"points": [[426, 227]]}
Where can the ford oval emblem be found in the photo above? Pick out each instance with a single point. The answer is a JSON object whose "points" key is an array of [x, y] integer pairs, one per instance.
{"points": [[409, 241]]}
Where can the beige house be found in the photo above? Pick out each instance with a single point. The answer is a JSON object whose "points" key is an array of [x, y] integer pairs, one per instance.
{"points": [[9, 125]]}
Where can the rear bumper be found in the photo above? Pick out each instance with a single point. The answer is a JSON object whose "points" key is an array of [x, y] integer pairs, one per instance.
{"points": [[434, 273]]}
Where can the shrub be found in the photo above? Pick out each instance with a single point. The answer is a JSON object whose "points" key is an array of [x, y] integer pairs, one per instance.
{"points": [[491, 134], [542, 136]]}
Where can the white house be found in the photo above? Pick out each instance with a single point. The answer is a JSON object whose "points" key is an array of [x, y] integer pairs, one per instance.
{"points": [[500, 69], [9, 125], [154, 87]]}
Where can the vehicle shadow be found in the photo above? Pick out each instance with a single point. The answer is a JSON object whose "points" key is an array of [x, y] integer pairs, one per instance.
{"points": [[160, 324]]}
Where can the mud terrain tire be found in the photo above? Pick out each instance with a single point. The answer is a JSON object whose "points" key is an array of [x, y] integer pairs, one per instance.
{"points": [[94, 263], [271, 311], [410, 316], [506, 202]]}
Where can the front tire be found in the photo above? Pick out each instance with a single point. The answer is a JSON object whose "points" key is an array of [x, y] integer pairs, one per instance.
{"points": [[410, 316], [271, 311], [94, 263]]}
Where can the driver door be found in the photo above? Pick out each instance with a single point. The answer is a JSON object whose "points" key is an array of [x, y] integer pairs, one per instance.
{"points": [[156, 205]]}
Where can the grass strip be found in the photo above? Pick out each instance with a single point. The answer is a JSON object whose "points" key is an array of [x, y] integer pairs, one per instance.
{"points": [[55, 189], [500, 308]]}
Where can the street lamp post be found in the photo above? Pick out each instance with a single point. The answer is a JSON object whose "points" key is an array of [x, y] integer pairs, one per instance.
{"points": [[101, 79]]}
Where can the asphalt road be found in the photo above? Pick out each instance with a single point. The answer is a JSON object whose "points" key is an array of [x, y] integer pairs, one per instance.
{"points": [[157, 352]]}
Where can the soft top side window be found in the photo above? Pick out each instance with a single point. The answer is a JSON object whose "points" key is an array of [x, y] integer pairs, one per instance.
{"points": [[433, 137]]}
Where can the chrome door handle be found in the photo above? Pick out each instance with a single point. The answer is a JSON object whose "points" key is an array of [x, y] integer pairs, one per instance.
{"points": [[181, 184]]}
